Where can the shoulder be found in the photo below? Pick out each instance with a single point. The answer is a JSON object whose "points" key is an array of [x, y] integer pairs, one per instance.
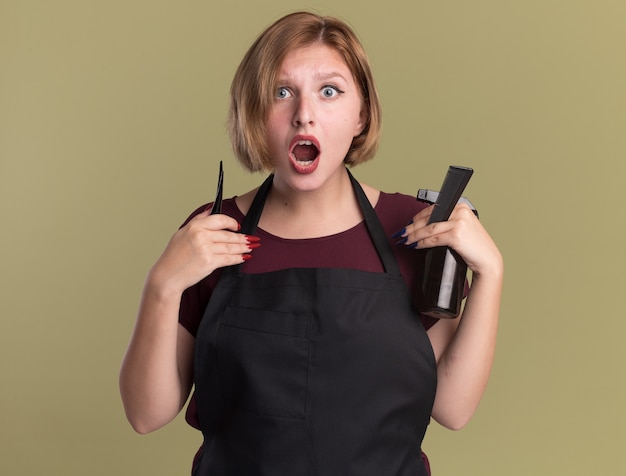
{"points": [[389, 200], [395, 210]]}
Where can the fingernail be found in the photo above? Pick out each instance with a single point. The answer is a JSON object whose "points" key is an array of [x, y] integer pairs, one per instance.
{"points": [[253, 246], [252, 239], [238, 226], [402, 241], [399, 233], [246, 257]]}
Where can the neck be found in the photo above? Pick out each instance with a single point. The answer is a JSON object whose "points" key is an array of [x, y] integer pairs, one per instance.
{"points": [[327, 210], [336, 190]]}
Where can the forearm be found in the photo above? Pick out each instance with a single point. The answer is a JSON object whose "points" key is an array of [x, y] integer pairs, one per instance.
{"points": [[465, 365], [152, 385]]}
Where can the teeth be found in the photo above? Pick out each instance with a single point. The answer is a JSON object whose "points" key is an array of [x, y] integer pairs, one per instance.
{"points": [[305, 142]]}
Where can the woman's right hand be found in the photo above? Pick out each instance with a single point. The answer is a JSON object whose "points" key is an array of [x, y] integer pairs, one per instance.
{"points": [[206, 243], [156, 374]]}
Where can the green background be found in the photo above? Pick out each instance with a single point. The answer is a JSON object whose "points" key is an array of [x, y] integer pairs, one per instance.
{"points": [[111, 125]]}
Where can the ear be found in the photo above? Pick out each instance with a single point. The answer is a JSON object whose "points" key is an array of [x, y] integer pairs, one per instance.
{"points": [[363, 118]]}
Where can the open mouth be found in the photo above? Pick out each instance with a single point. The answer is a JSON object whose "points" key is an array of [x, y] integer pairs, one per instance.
{"points": [[304, 154]]}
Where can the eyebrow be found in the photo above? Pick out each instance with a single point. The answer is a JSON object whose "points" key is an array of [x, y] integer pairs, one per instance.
{"points": [[325, 76], [319, 76]]}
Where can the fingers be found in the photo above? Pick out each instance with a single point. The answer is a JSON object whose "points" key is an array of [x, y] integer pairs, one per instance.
{"points": [[233, 248], [462, 232], [418, 230], [217, 221], [420, 234], [224, 248], [217, 235], [211, 237]]}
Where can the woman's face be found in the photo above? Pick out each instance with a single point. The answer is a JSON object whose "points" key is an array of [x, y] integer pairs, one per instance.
{"points": [[316, 112]]}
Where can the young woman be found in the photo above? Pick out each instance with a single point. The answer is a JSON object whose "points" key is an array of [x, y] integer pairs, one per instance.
{"points": [[291, 312]]}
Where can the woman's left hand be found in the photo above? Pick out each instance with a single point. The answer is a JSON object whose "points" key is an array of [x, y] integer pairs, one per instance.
{"points": [[462, 232]]}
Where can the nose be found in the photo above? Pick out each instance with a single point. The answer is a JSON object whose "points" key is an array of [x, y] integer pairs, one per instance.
{"points": [[303, 113]]}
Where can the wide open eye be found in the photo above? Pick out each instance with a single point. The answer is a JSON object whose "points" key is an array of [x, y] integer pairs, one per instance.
{"points": [[283, 93], [330, 91]]}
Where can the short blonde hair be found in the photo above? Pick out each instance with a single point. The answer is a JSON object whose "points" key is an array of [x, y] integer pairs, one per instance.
{"points": [[253, 88]]}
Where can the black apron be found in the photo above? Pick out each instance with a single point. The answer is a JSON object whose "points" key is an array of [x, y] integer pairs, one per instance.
{"points": [[313, 371]]}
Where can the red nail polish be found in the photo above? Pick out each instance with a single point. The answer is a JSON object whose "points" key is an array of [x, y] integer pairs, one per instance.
{"points": [[246, 257], [252, 239], [253, 246]]}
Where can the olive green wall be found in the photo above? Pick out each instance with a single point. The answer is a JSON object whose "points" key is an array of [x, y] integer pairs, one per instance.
{"points": [[111, 126]]}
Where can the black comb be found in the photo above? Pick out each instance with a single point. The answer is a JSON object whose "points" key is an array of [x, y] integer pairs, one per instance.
{"points": [[217, 203]]}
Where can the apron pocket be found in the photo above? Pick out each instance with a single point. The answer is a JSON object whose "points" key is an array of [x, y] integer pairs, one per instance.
{"points": [[262, 361]]}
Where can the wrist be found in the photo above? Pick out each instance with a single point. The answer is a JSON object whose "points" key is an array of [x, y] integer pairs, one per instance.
{"points": [[494, 269], [161, 286]]}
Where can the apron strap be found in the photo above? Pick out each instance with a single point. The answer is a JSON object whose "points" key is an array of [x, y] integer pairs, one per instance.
{"points": [[250, 221], [375, 229], [253, 216]]}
